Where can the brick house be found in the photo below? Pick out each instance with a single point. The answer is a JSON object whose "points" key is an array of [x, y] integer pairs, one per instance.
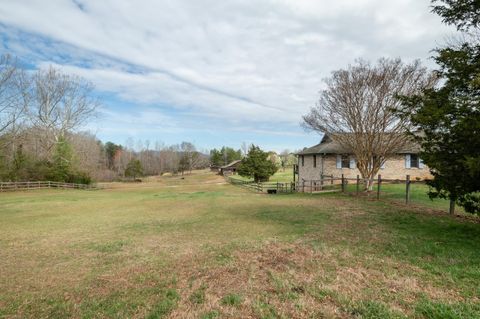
{"points": [[330, 158]]}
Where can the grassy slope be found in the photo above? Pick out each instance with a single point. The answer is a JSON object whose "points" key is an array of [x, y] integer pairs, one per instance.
{"points": [[280, 176], [200, 248], [418, 195]]}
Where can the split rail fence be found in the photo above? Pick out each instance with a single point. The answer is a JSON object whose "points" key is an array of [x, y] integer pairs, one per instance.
{"points": [[14, 186]]}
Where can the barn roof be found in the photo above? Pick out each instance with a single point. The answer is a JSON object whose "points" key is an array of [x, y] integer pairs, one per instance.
{"points": [[232, 164]]}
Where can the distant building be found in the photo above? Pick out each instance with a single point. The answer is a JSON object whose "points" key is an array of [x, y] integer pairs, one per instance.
{"points": [[230, 168]]}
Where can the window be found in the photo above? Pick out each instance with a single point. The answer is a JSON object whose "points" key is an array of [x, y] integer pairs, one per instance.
{"points": [[314, 160], [345, 161], [303, 160], [414, 161]]}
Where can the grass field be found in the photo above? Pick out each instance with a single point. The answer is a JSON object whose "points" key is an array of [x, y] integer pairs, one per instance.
{"points": [[418, 196], [280, 176], [200, 248]]}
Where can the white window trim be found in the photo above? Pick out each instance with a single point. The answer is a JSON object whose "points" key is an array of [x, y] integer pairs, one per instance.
{"points": [[408, 162]]}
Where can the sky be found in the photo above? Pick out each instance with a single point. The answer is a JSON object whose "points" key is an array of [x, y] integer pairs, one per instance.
{"points": [[213, 72]]}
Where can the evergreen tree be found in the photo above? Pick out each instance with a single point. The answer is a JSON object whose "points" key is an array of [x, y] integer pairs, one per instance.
{"points": [[224, 156], [19, 170], [216, 157], [256, 165], [134, 169], [448, 116]]}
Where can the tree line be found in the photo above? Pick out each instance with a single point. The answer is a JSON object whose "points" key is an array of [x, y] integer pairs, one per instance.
{"points": [[41, 116]]}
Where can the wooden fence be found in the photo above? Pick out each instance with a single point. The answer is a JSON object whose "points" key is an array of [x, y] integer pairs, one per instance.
{"points": [[331, 183], [326, 183], [13, 186], [265, 187]]}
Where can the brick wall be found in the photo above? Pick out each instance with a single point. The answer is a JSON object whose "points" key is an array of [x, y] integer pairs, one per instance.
{"points": [[394, 169]]}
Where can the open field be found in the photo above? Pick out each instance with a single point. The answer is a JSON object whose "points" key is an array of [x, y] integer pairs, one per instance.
{"points": [[200, 248]]}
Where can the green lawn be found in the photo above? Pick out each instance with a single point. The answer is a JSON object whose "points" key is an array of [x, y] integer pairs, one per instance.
{"points": [[200, 248], [280, 176], [418, 196]]}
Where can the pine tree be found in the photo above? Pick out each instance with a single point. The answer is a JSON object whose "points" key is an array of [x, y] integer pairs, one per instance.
{"points": [[62, 161], [448, 116], [134, 169], [256, 165]]}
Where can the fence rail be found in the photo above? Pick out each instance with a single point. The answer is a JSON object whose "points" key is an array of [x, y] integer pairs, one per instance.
{"points": [[353, 186], [331, 183], [264, 187], [13, 186]]}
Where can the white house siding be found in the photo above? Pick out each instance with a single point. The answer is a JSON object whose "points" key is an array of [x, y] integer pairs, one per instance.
{"points": [[394, 168]]}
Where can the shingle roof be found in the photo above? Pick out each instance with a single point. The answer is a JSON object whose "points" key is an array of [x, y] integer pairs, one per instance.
{"points": [[231, 164], [328, 146]]}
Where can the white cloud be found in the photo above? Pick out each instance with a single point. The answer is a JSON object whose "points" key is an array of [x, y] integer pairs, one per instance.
{"points": [[237, 61]]}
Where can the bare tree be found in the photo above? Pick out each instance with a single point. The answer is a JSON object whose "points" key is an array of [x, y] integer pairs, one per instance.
{"points": [[60, 103], [287, 159], [13, 86], [189, 157], [357, 110], [88, 153], [244, 149]]}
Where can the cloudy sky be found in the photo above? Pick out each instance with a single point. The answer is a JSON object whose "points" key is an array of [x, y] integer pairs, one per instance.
{"points": [[212, 72]]}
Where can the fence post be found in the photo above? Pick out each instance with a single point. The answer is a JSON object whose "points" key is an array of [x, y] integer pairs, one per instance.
{"points": [[303, 186], [358, 184], [311, 186], [294, 173], [378, 185], [343, 183], [407, 190]]}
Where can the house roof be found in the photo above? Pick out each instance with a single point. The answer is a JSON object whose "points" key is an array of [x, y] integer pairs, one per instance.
{"points": [[231, 164], [329, 146]]}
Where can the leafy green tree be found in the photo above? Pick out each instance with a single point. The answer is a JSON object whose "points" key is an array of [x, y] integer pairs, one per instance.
{"points": [[257, 165], [448, 116], [62, 167], [216, 157], [230, 155], [134, 169], [224, 156]]}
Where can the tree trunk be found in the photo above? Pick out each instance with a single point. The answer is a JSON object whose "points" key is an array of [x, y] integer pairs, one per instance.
{"points": [[452, 207], [368, 182]]}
